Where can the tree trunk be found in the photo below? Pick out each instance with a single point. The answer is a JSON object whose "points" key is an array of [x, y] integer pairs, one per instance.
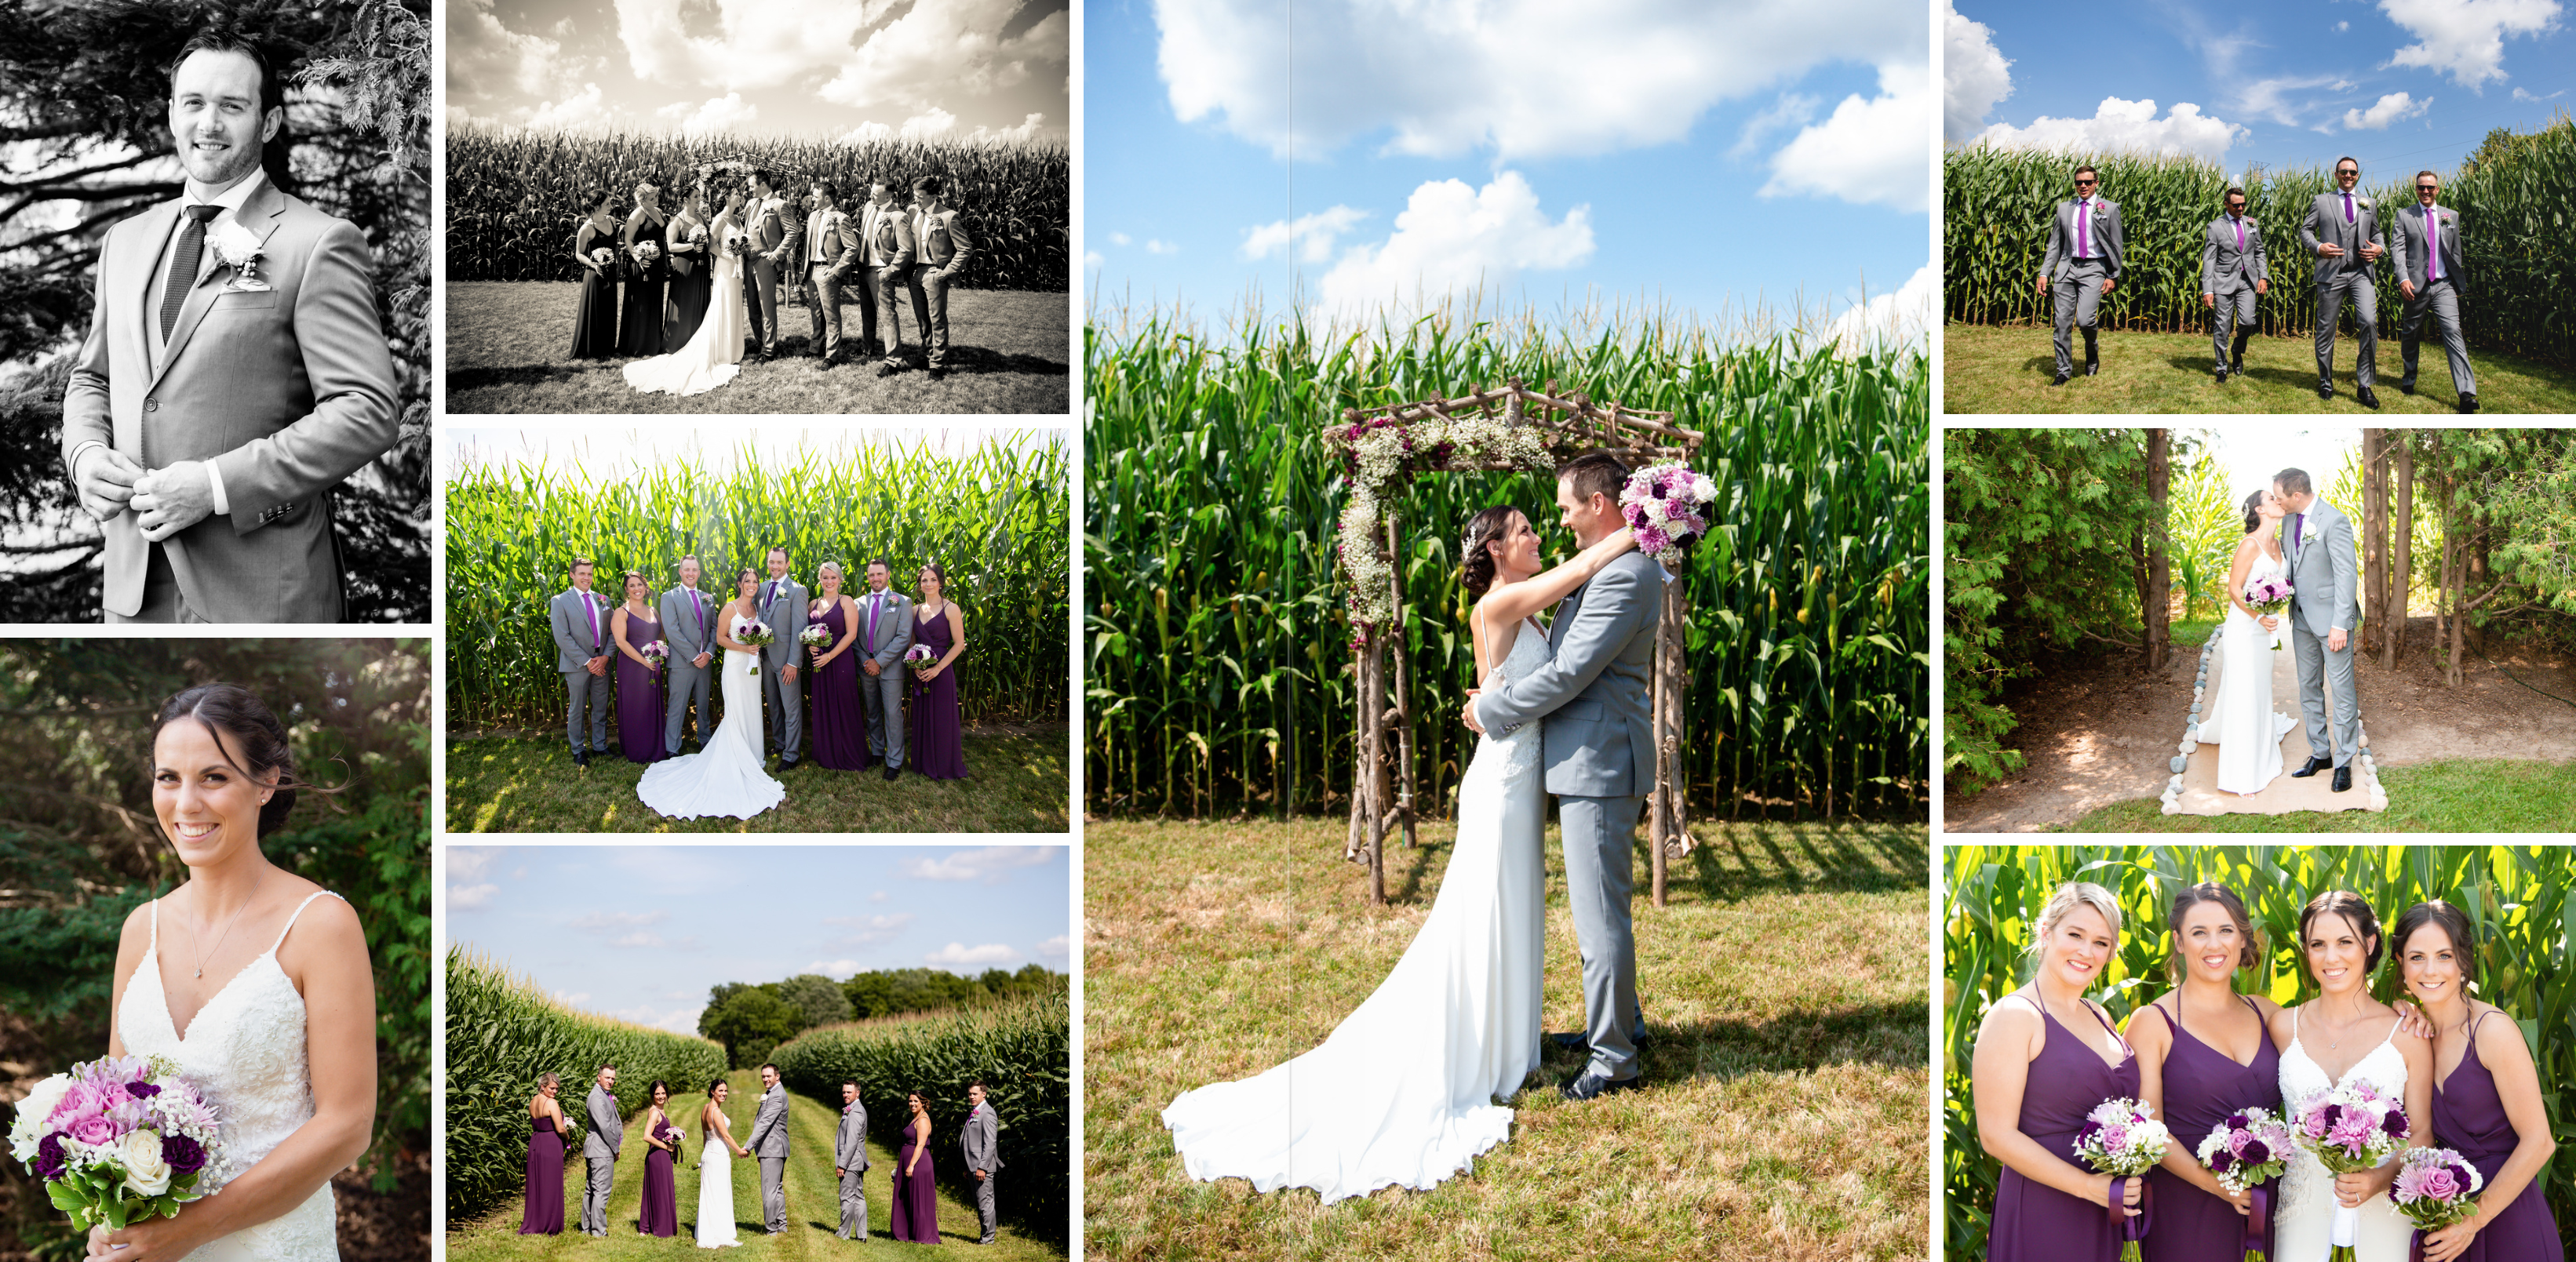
{"points": [[2401, 544], [2454, 549], [2158, 590], [2374, 537]]}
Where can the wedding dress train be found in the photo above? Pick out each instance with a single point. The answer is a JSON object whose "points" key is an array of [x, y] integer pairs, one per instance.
{"points": [[725, 777], [714, 353], [2306, 1208], [2249, 730]]}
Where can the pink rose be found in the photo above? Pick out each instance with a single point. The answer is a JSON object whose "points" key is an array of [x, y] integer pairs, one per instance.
{"points": [[2439, 1183], [93, 1130]]}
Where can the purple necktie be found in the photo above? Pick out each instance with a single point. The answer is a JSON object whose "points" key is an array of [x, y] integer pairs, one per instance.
{"points": [[2295, 518], [768, 592], [701, 603], [875, 603], [2084, 229], [587, 602], [2347, 208], [2433, 243], [2240, 236]]}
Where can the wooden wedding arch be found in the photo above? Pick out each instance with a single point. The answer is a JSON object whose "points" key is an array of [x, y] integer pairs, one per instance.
{"points": [[1504, 427]]}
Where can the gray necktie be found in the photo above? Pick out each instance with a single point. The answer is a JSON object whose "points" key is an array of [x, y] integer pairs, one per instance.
{"points": [[183, 267]]}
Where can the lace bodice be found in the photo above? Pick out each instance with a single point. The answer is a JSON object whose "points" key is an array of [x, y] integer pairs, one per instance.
{"points": [[2305, 1184]]}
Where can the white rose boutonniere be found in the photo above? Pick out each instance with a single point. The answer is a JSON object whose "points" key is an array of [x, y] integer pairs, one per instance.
{"points": [[241, 250], [2308, 529]]}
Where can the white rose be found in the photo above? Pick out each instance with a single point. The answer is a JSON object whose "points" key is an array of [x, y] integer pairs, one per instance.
{"points": [[1654, 511], [145, 1172], [32, 1112], [1702, 489]]}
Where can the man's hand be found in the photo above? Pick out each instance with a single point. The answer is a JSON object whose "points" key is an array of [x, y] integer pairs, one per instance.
{"points": [[2108, 285], [2262, 287], [979, 1176], [597, 665], [2406, 289], [787, 674], [1469, 714], [839, 1173], [2207, 302], [2043, 284], [701, 660], [105, 478], [2329, 250], [2335, 640], [2371, 250], [872, 666], [173, 499]]}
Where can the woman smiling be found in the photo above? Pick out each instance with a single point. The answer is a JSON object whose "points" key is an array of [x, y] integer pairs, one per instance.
{"points": [[2203, 1054]]}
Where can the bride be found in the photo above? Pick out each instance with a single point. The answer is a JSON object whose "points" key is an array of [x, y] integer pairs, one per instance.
{"points": [[715, 1171], [1402, 1090], [725, 776], [267, 1001], [2248, 729], [714, 352], [2344, 1035]]}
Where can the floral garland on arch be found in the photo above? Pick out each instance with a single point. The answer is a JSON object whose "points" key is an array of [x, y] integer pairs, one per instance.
{"points": [[1383, 451]]}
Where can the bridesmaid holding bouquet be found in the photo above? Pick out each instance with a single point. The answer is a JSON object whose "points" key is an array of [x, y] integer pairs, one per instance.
{"points": [[840, 723], [915, 1212], [639, 679], [594, 247], [660, 1213], [2487, 1102], [2204, 1052]]}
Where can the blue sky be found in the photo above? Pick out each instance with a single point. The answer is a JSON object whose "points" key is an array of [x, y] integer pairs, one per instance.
{"points": [[838, 69], [1705, 155], [2401, 85], [642, 932]]}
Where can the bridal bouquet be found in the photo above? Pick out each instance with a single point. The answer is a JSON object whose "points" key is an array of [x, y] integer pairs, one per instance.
{"points": [[2269, 594], [2122, 1138], [1662, 504], [119, 1140], [655, 654], [2247, 1150], [2350, 1129], [2434, 1187], [757, 634]]}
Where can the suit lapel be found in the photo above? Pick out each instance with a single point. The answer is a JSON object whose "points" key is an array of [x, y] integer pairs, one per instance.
{"points": [[157, 225], [259, 215]]}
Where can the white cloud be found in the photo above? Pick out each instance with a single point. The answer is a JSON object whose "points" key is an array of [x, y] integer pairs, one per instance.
{"points": [[2275, 98], [459, 117], [1027, 130], [1119, 238], [1316, 231], [486, 59], [837, 970], [868, 930], [2392, 108], [880, 896], [572, 998], [676, 1020], [2521, 95], [2465, 38], [869, 133], [1868, 150], [605, 920], [1793, 109], [464, 863], [1159, 246], [2119, 126], [721, 113], [584, 112], [470, 897], [937, 48], [1092, 260], [991, 864], [1974, 76], [2341, 27], [942, 47], [928, 125], [960, 955], [1902, 317], [1056, 948], [1450, 237]]}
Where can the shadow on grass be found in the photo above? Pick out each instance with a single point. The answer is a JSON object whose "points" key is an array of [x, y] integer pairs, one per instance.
{"points": [[982, 359], [1747, 860], [521, 374]]}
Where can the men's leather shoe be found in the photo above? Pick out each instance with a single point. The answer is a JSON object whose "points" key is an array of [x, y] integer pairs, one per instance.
{"points": [[580, 758], [938, 374], [825, 366], [2406, 387], [2343, 779], [887, 370], [2325, 390], [2092, 368], [2236, 362], [2222, 374], [787, 764], [2368, 399], [2061, 380], [892, 772], [1592, 1086], [2468, 403], [2314, 766]]}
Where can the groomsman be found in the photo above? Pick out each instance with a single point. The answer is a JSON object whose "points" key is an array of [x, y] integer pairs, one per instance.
{"points": [[940, 235], [688, 625], [782, 606], [2429, 277], [885, 620], [890, 243], [599, 1149], [830, 251], [878, 200], [580, 622], [850, 1163], [978, 1141], [2083, 265], [769, 1143], [2342, 230], [2232, 274], [772, 240]]}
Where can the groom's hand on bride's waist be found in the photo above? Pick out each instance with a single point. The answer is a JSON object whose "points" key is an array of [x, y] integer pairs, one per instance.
{"points": [[1469, 713]]}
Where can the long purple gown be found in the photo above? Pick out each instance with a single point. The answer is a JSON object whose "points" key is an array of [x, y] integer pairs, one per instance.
{"points": [[2035, 1222], [938, 743], [840, 724], [660, 1213], [2468, 1116], [639, 696], [916, 1197], [544, 1213], [2202, 1086]]}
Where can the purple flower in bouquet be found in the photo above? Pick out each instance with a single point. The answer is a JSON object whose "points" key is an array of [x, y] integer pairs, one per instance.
{"points": [[118, 1140], [2435, 1187], [756, 633], [655, 654], [815, 636], [2269, 594], [2353, 1128], [2122, 1138], [1661, 503]]}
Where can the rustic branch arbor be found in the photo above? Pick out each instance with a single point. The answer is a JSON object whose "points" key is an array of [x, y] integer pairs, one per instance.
{"points": [[1505, 427]]}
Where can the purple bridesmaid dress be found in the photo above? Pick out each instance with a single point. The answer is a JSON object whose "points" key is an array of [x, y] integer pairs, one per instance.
{"points": [[915, 1208], [2468, 1115], [639, 697], [544, 1213], [2035, 1222], [938, 741], [2202, 1086], [660, 1213], [840, 723]]}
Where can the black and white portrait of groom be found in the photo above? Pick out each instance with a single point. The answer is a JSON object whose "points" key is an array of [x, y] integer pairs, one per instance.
{"points": [[2325, 615], [234, 373]]}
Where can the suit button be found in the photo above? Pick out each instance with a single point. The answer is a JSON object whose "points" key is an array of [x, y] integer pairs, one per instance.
{"points": [[151, 405]]}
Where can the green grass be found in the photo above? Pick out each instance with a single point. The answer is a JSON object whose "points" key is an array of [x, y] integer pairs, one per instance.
{"points": [[813, 1198], [527, 784], [1008, 352], [2464, 796], [1992, 368], [1786, 1068]]}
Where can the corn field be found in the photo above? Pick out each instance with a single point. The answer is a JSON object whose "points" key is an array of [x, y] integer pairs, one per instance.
{"points": [[1219, 668], [995, 520], [514, 198], [2516, 895], [1021, 1051], [2514, 201], [502, 1031]]}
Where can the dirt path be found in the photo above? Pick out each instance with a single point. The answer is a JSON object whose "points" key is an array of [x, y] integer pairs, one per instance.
{"points": [[2102, 733]]}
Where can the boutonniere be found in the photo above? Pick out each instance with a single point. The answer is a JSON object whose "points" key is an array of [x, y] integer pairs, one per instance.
{"points": [[2446, 217], [240, 249], [2308, 529], [2362, 202]]}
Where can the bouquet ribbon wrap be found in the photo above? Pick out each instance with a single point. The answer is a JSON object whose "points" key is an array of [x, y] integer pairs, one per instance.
{"points": [[2339, 1233], [2258, 1220], [2133, 1230]]}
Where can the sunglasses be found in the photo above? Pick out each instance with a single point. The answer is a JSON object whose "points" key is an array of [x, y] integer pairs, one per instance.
{"points": [[2428, 188], [2084, 183]]}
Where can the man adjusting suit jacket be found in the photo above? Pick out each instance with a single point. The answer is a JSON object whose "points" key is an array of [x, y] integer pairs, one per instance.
{"points": [[2232, 274], [2431, 279]]}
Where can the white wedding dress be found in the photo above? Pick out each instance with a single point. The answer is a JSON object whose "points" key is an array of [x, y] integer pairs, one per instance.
{"points": [[714, 352], [2248, 729], [725, 777], [715, 1194], [1402, 1092], [2306, 1211], [245, 1051]]}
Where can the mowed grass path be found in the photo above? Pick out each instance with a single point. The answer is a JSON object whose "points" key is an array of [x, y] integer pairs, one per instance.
{"points": [[1018, 783], [1785, 1072], [2462, 796], [813, 1199], [1009, 353], [1998, 369]]}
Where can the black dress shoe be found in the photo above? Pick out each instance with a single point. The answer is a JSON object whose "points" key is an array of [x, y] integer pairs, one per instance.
{"points": [[2092, 368], [2314, 766], [2236, 362], [2222, 374], [2468, 403], [938, 374], [2407, 387], [1592, 1086], [825, 366], [788, 764], [887, 370], [2343, 779], [2061, 379], [2368, 399], [2325, 389], [892, 772], [580, 758]]}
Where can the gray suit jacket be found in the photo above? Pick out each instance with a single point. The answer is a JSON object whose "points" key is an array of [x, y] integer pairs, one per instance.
{"points": [[850, 1142], [2325, 226], [575, 642], [607, 1130], [894, 628], [680, 624], [769, 1125], [2105, 237], [784, 611], [979, 1139], [2326, 571], [1595, 691], [2410, 240], [2222, 267]]}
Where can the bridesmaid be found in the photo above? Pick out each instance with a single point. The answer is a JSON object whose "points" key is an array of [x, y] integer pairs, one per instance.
{"points": [[840, 723], [2045, 1056], [639, 683], [594, 325], [660, 1213], [2487, 1103], [640, 325], [938, 740], [2203, 1053], [544, 1213], [915, 1211], [692, 270]]}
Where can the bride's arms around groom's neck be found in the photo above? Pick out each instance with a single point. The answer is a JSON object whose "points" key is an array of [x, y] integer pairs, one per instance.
{"points": [[1512, 602]]}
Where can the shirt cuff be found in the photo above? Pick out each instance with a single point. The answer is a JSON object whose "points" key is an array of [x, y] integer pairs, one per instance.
{"points": [[215, 487], [2345, 630], [80, 451]]}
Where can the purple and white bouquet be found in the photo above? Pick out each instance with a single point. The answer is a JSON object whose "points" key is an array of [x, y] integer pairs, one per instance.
{"points": [[1662, 505], [2246, 1150], [2353, 1128], [646, 252], [603, 256], [756, 633], [2123, 1139], [656, 654], [815, 636], [2434, 1189], [119, 1140], [919, 653], [2269, 594]]}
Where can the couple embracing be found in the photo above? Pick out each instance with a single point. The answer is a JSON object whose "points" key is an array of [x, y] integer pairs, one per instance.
{"points": [[1563, 709], [2292, 539]]}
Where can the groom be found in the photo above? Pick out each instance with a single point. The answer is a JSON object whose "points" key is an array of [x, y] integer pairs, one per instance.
{"points": [[2324, 609], [1598, 747], [770, 240], [599, 1147], [769, 1143], [782, 606]]}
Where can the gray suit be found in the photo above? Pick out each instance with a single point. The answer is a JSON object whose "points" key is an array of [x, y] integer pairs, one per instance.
{"points": [[782, 606], [2076, 283], [689, 626], [2344, 279], [850, 1157], [881, 697], [581, 633], [2227, 275], [979, 1142], [1599, 750], [607, 1133], [769, 1143], [2326, 572], [2441, 298]]}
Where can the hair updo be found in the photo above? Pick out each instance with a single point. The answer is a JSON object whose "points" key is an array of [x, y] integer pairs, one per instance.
{"points": [[2355, 912], [1476, 560], [238, 720], [2254, 511]]}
